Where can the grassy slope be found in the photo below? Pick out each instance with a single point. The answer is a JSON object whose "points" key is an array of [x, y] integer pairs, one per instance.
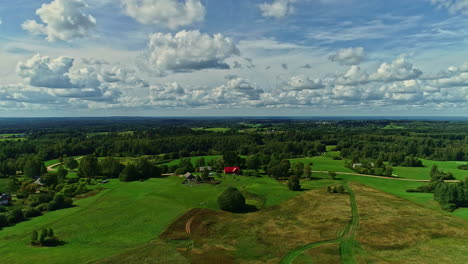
{"points": [[123, 216], [391, 230]]}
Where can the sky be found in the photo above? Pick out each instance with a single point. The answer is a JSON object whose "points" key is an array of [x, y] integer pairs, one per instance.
{"points": [[233, 58]]}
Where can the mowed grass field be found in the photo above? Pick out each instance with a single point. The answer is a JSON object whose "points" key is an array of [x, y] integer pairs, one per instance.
{"points": [[121, 217]]}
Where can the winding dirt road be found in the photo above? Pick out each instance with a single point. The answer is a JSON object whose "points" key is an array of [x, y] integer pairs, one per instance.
{"points": [[51, 167]]}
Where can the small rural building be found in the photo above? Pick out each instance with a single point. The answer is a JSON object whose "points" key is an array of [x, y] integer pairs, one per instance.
{"points": [[203, 169], [5, 199], [38, 182], [232, 170]]}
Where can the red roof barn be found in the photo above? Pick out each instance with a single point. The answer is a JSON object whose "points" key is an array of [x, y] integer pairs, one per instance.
{"points": [[232, 170]]}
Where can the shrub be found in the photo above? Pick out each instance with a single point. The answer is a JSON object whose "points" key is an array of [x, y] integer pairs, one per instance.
{"points": [[231, 200], [16, 215], [31, 212], [293, 183], [3, 220], [450, 207]]}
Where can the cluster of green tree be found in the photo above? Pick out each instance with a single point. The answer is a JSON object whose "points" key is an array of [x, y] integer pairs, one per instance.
{"points": [[463, 167], [451, 195], [142, 170], [370, 168], [47, 238]]}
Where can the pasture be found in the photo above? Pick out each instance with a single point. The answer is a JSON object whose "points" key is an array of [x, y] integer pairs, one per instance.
{"points": [[386, 229], [123, 216]]}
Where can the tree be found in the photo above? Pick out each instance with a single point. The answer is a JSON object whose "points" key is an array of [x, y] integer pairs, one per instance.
{"points": [[130, 173], [388, 171], [279, 170], [33, 168], [294, 183], [232, 159], [71, 163], [34, 237], [185, 165], [201, 162], [231, 200], [12, 185], [308, 171], [253, 162], [50, 179], [298, 169], [147, 170], [43, 236], [332, 175], [89, 167], [62, 173], [111, 168]]}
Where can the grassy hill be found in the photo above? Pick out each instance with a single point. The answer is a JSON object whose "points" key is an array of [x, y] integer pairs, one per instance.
{"points": [[122, 216], [388, 230]]}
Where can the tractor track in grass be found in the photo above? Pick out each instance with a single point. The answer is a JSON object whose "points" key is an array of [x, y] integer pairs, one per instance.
{"points": [[345, 237]]}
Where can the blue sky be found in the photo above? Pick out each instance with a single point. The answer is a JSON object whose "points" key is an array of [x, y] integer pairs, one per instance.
{"points": [[233, 57]]}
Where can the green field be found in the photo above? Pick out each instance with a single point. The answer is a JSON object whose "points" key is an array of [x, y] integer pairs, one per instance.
{"points": [[324, 163], [121, 217], [423, 173]]}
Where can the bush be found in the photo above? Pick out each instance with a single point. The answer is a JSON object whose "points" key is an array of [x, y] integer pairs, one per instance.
{"points": [[231, 200], [336, 189], [294, 184], [31, 212], [450, 207], [16, 215], [3, 220]]}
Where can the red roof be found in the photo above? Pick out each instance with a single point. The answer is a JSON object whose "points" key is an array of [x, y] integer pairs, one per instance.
{"points": [[231, 170]]}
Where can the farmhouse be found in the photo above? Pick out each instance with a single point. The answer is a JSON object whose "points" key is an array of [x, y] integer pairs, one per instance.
{"points": [[5, 199], [232, 170], [203, 169]]}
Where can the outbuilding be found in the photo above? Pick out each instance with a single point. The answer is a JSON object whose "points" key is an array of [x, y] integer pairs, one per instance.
{"points": [[232, 170]]}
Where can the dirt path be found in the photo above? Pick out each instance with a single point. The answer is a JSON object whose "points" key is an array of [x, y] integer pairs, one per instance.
{"points": [[382, 177], [188, 225], [51, 167], [345, 236]]}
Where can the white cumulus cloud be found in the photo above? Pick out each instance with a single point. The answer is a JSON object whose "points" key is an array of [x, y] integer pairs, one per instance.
{"points": [[399, 70], [189, 51], [62, 20], [349, 56], [277, 9], [168, 13]]}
